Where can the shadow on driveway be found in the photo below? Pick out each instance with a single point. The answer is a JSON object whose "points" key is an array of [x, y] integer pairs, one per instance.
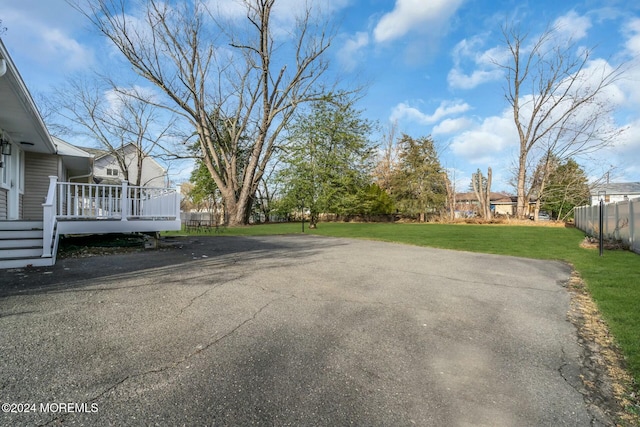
{"points": [[176, 254], [293, 330]]}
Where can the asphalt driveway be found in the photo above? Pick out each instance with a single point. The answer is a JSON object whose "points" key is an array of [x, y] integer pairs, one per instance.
{"points": [[291, 330]]}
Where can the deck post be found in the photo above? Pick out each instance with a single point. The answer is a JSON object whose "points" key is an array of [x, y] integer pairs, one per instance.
{"points": [[178, 202], [49, 217], [124, 201]]}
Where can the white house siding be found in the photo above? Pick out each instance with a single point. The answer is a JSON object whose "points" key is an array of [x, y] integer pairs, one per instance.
{"points": [[3, 204], [153, 175], [39, 167]]}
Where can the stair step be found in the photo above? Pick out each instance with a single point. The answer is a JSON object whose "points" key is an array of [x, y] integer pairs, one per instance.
{"points": [[21, 225], [26, 262], [20, 234], [20, 243], [20, 252]]}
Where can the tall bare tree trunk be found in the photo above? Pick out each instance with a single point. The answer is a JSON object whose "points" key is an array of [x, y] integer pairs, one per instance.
{"points": [[487, 202], [482, 190], [564, 103], [237, 89]]}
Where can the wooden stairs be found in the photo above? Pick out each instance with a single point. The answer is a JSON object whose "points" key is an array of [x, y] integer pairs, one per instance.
{"points": [[21, 245]]}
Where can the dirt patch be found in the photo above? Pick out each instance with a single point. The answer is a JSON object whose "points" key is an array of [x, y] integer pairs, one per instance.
{"points": [[99, 245], [608, 386], [594, 243]]}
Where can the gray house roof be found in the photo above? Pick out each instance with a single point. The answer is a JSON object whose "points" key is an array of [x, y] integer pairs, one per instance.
{"points": [[624, 188]]}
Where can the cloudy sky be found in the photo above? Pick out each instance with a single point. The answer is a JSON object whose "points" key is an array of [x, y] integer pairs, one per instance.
{"points": [[428, 65]]}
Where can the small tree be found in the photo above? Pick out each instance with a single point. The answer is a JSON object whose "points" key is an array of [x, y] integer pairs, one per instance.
{"points": [[418, 183], [204, 194], [567, 188], [328, 159]]}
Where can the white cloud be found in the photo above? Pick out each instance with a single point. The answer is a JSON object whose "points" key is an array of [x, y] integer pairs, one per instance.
{"points": [[469, 51], [572, 26], [284, 13], [74, 55], [350, 54], [482, 144], [632, 31], [230, 9], [619, 159], [42, 43], [629, 85], [459, 80], [448, 126], [408, 15], [446, 108]]}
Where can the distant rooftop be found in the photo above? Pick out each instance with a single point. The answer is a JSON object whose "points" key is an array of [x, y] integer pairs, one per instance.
{"points": [[617, 188]]}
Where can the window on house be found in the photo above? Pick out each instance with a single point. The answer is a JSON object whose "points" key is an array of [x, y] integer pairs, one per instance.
{"points": [[112, 172]]}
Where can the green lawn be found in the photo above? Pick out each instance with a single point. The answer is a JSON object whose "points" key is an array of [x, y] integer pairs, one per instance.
{"points": [[613, 280]]}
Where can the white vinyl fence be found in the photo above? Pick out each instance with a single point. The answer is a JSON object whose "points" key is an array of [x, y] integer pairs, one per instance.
{"points": [[620, 222]]}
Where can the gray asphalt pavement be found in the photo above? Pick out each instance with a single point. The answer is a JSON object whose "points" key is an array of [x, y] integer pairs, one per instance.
{"points": [[290, 330]]}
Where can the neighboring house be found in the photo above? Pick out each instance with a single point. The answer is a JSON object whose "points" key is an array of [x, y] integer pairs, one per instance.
{"points": [[107, 169], [46, 186], [467, 204], [615, 192]]}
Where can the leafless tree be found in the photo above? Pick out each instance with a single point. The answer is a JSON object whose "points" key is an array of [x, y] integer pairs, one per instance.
{"points": [[450, 188], [482, 189], [234, 81], [558, 94], [120, 120], [387, 159]]}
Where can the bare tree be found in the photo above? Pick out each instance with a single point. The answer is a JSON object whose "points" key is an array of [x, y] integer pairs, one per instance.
{"points": [[387, 159], [558, 96], [450, 188], [482, 189], [234, 84], [121, 121]]}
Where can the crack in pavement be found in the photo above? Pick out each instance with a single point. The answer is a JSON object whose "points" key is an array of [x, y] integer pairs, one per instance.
{"points": [[209, 289], [175, 364]]}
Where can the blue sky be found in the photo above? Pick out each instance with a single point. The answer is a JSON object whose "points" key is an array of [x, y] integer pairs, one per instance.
{"points": [[426, 63]]}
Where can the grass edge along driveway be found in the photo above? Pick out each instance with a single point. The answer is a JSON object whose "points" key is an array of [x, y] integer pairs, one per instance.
{"points": [[612, 280]]}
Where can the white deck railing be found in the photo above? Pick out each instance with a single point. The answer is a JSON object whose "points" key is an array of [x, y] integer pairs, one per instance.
{"points": [[76, 201], [123, 202]]}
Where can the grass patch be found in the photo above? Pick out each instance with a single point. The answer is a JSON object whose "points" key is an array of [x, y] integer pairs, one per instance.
{"points": [[613, 280]]}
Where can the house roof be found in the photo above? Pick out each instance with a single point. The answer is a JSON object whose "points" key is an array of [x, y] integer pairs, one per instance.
{"points": [[624, 188], [95, 152], [494, 197], [100, 152], [19, 116], [78, 161]]}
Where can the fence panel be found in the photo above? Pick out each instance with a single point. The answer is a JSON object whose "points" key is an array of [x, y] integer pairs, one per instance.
{"points": [[619, 221]]}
